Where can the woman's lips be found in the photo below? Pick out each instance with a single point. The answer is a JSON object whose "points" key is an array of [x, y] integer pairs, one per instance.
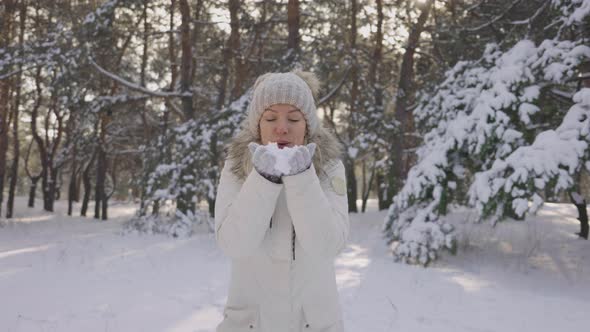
{"points": [[282, 144]]}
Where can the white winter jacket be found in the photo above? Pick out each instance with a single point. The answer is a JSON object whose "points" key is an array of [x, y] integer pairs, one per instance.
{"points": [[282, 240]]}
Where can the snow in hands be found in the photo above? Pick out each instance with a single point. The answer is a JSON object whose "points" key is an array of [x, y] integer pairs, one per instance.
{"points": [[282, 155], [284, 160]]}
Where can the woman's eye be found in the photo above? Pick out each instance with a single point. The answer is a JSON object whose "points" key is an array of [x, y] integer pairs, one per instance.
{"points": [[294, 120], [270, 120]]}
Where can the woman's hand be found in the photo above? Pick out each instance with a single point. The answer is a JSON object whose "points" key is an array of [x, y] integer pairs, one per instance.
{"points": [[266, 162], [263, 160], [302, 158]]}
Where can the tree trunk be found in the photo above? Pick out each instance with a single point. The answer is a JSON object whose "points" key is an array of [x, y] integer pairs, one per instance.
{"points": [[105, 115], [73, 180], [44, 152], [580, 204], [354, 75], [87, 185], [165, 118], [105, 198], [34, 179], [382, 200], [186, 59], [101, 169], [53, 169], [351, 180], [404, 96], [33, 191], [239, 65], [52, 189], [185, 201], [363, 180], [172, 48], [293, 23], [195, 36], [147, 133], [375, 81], [144, 54], [259, 31], [78, 186], [369, 185], [72, 187], [377, 58], [354, 93], [15, 138], [5, 38], [43, 155], [229, 53]]}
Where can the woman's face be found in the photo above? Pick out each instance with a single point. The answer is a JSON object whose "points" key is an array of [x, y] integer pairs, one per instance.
{"points": [[283, 124]]}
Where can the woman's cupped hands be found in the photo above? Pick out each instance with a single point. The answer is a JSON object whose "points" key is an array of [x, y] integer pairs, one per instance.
{"points": [[271, 160]]}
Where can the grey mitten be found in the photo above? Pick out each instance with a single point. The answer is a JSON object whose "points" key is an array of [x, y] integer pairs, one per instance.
{"points": [[302, 158], [264, 161]]}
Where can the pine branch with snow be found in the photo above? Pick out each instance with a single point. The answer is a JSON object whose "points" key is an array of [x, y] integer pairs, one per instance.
{"points": [[548, 164], [479, 123]]}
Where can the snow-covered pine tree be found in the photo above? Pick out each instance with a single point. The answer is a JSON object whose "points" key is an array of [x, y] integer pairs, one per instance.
{"points": [[190, 145], [480, 122]]}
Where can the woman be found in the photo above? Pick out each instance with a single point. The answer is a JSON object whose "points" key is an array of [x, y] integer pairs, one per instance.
{"points": [[282, 227]]}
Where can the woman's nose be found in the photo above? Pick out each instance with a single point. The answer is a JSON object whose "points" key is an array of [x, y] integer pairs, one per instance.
{"points": [[281, 127]]}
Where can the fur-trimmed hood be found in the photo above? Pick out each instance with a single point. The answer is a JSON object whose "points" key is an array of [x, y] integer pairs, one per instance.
{"points": [[328, 150]]}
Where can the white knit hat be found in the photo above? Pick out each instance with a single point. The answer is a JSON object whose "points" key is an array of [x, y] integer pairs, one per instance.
{"points": [[297, 88]]}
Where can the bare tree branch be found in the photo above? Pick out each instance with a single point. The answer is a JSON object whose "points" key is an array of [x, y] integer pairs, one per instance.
{"points": [[495, 19], [335, 89], [136, 87]]}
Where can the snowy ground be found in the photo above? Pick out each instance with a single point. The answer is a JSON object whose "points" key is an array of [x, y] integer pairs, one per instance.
{"points": [[76, 274]]}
